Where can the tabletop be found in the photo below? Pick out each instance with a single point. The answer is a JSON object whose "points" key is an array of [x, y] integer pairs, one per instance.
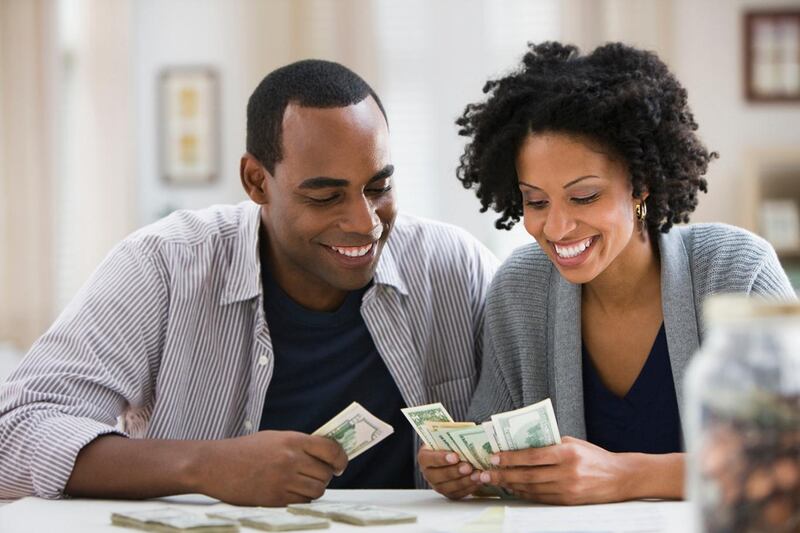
{"points": [[434, 514]]}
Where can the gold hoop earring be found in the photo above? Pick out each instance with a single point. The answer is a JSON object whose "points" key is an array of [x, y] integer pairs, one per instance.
{"points": [[641, 214]]}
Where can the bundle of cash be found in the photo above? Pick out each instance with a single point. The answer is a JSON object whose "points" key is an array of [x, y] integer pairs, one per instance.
{"points": [[356, 429], [170, 519], [533, 426], [358, 514], [271, 519]]}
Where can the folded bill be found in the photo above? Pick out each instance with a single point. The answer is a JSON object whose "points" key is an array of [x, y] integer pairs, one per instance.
{"points": [[356, 429], [271, 519], [169, 519], [358, 514]]}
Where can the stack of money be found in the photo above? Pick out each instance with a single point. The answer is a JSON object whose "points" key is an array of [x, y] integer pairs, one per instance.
{"points": [[356, 429], [271, 519], [169, 519], [358, 514], [533, 426]]}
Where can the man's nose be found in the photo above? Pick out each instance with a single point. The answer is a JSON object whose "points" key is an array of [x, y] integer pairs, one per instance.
{"points": [[362, 218]]}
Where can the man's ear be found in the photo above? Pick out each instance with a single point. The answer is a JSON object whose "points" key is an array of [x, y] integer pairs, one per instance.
{"points": [[254, 179]]}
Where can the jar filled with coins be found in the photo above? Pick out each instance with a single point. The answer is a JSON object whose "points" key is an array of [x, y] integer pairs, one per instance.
{"points": [[743, 418]]}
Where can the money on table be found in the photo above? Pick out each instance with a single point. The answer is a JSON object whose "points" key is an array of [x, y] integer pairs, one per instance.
{"points": [[170, 519], [358, 514], [356, 429], [271, 519]]}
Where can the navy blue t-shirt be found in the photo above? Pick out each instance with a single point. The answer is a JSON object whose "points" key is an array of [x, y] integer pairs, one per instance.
{"points": [[323, 362], [646, 419]]}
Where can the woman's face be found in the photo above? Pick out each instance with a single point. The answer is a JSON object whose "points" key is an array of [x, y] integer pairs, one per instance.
{"points": [[578, 203]]}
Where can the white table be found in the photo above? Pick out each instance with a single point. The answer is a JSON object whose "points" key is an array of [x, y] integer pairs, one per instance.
{"points": [[434, 512]]}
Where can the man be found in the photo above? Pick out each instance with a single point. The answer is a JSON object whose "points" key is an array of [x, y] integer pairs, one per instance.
{"points": [[222, 338]]}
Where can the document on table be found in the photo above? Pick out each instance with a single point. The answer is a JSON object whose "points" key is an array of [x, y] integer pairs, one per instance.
{"points": [[611, 518]]}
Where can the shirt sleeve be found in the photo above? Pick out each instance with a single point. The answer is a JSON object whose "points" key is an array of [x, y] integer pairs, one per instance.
{"points": [[771, 280], [99, 358]]}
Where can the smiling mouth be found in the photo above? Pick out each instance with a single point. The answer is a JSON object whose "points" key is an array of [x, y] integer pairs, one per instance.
{"points": [[353, 251], [574, 250]]}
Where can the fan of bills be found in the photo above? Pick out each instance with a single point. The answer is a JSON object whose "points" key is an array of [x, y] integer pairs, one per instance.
{"points": [[533, 426]]}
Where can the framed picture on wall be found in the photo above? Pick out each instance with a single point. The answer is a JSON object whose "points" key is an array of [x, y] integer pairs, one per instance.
{"points": [[188, 125], [772, 55]]}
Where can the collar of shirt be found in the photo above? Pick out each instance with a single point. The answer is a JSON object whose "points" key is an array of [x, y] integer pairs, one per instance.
{"points": [[243, 282]]}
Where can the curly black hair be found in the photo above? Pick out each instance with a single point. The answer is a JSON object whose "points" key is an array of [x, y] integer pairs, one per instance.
{"points": [[309, 83], [620, 97]]}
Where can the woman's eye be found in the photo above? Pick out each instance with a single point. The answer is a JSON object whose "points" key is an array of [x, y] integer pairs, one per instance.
{"points": [[537, 204], [585, 199]]}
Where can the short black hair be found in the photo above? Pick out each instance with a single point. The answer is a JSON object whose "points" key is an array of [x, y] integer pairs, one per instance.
{"points": [[308, 83], [624, 99]]}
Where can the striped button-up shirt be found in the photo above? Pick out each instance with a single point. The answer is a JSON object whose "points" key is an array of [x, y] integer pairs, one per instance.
{"points": [[167, 340]]}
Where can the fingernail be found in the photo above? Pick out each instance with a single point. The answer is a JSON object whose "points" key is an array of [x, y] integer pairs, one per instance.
{"points": [[494, 459], [464, 469], [451, 458], [485, 477], [476, 476]]}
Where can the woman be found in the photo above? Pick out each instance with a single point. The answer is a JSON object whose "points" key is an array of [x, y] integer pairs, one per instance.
{"points": [[598, 155]]}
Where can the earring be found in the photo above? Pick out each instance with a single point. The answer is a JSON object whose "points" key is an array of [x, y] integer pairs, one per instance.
{"points": [[641, 213]]}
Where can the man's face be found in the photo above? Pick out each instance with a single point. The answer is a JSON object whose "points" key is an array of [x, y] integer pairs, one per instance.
{"points": [[329, 203]]}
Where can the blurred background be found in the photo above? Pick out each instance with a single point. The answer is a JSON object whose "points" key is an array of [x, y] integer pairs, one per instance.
{"points": [[115, 112]]}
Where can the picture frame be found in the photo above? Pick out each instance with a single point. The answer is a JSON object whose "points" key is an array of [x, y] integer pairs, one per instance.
{"points": [[772, 55], [188, 125]]}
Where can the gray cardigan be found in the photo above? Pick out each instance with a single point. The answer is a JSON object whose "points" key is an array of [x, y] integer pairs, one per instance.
{"points": [[532, 336]]}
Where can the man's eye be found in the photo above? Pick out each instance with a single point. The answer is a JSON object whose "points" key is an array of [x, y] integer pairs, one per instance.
{"points": [[381, 190], [321, 201]]}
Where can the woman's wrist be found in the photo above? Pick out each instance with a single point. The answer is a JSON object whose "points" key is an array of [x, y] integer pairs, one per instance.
{"points": [[652, 476]]}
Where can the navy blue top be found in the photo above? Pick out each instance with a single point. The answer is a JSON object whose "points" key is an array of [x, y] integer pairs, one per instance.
{"points": [[323, 362], [646, 419]]}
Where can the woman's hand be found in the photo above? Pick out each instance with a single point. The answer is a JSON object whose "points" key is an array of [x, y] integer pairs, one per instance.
{"points": [[446, 474], [571, 473]]}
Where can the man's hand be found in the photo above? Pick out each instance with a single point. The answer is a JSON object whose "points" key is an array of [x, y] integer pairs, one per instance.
{"points": [[446, 474], [269, 468], [578, 472]]}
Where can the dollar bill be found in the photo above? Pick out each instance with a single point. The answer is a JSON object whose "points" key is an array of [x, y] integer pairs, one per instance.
{"points": [[533, 426], [283, 521], [356, 429], [319, 509], [488, 427], [474, 444], [437, 430], [417, 416]]}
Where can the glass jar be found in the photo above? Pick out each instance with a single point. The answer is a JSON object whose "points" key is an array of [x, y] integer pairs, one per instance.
{"points": [[743, 418]]}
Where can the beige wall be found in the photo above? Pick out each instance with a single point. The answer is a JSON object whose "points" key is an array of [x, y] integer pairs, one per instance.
{"points": [[26, 201]]}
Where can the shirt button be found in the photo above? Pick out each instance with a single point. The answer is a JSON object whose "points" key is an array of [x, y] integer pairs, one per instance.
{"points": [[248, 425], [263, 360]]}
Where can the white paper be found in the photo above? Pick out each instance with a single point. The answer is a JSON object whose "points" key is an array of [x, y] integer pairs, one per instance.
{"points": [[611, 518]]}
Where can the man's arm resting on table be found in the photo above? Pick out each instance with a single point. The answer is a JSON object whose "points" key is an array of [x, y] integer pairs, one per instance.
{"points": [[266, 468]]}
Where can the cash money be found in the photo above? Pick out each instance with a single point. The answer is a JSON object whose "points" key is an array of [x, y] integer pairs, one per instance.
{"points": [[417, 416], [358, 514], [168, 519], [473, 443], [488, 427], [533, 426], [356, 429], [437, 430]]}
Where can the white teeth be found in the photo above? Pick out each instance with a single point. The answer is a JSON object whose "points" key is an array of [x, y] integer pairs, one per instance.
{"points": [[571, 251], [354, 251]]}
